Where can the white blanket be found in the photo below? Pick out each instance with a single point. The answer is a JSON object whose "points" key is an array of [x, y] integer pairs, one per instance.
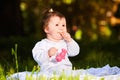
{"points": [[104, 73]]}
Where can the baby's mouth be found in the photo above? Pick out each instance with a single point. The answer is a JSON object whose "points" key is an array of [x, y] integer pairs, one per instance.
{"points": [[60, 34]]}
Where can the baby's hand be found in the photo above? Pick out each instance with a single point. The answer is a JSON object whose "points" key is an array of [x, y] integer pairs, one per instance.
{"points": [[52, 51], [66, 36]]}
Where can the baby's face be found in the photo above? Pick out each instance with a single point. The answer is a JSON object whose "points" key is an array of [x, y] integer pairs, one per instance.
{"points": [[55, 27]]}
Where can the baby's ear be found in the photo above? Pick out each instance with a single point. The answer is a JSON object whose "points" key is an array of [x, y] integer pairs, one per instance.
{"points": [[46, 30]]}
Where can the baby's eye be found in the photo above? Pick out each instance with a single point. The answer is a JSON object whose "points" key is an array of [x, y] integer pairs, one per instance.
{"points": [[63, 25], [56, 25]]}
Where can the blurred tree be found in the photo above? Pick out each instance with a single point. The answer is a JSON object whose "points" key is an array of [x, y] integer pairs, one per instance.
{"points": [[77, 12]]}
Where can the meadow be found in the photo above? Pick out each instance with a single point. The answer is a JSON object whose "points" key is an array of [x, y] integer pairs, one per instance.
{"points": [[16, 56]]}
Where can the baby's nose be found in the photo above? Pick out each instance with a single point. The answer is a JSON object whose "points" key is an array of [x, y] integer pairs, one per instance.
{"points": [[61, 28]]}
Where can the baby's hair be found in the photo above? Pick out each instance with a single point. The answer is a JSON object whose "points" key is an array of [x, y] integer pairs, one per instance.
{"points": [[47, 14]]}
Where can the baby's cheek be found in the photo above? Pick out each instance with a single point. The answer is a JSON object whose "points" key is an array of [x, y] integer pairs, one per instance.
{"points": [[65, 30]]}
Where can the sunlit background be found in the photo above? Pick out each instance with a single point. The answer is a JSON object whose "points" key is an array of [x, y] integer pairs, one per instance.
{"points": [[94, 24]]}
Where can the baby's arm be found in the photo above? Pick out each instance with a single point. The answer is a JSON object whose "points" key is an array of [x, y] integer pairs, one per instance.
{"points": [[40, 54], [73, 48]]}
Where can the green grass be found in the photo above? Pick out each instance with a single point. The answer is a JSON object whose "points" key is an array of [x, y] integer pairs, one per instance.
{"points": [[2, 73]]}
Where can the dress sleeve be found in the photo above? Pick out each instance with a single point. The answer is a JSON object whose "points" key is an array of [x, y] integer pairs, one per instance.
{"points": [[40, 54], [73, 48]]}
